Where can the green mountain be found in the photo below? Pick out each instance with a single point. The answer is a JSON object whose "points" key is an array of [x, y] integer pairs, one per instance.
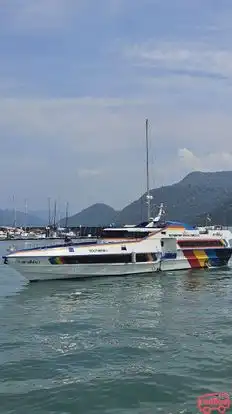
{"points": [[194, 196], [190, 200], [221, 214], [95, 215]]}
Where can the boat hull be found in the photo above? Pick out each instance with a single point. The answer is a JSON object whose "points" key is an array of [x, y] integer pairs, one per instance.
{"points": [[39, 268], [117, 259], [50, 272]]}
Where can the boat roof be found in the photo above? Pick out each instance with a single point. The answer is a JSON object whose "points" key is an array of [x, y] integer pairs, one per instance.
{"points": [[146, 226], [179, 224]]}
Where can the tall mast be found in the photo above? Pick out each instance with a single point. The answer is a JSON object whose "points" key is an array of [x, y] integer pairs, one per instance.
{"points": [[54, 222], [49, 211], [14, 225], [66, 217], [26, 211], [148, 196]]}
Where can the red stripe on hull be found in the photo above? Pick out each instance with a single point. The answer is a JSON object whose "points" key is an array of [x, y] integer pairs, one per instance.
{"points": [[190, 256]]}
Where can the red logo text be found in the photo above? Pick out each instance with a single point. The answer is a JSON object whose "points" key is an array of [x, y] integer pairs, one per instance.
{"points": [[218, 401]]}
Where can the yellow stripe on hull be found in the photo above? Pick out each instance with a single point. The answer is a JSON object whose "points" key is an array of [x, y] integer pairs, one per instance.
{"points": [[201, 256]]}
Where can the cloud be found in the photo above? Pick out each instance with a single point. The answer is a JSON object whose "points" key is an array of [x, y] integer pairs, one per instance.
{"points": [[79, 77], [208, 162], [100, 143], [78, 125], [189, 159], [60, 146], [185, 161], [190, 58], [103, 125]]}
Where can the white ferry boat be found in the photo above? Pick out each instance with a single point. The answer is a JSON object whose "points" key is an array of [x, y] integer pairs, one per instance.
{"points": [[124, 251]]}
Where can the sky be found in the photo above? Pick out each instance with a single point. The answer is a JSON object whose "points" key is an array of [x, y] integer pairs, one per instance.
{"points": [[78, 78]]}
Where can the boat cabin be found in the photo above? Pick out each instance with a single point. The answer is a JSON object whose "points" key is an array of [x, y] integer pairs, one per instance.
{"points": [[144, 229], [123, 233]]}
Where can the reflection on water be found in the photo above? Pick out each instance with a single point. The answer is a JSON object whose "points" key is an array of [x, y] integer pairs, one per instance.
{"points": [[195, 280]]}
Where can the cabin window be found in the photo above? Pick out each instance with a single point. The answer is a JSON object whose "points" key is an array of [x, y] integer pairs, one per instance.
{"points": [[145, 257], [111, 234], [200, 243], [100, 258]]}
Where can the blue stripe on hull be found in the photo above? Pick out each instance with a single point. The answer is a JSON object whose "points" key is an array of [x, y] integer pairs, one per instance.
{"points": [[218, 257]]}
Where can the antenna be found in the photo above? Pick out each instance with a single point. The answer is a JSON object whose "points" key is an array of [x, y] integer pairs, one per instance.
{"points": [[148, 196]]}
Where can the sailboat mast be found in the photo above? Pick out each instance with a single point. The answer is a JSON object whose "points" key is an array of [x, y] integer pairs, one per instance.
{"points": [[26, 211], [54, 222], [14, 225], [49, 211], [149, 197], [66, 216]]}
